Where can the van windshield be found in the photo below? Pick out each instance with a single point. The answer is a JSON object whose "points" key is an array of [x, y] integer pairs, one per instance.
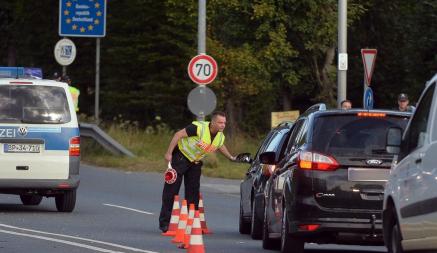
{"points": [[33, 104], [351, 135]]}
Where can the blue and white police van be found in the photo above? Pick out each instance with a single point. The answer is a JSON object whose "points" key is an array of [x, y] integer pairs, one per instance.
{"points": [[39, 142]]}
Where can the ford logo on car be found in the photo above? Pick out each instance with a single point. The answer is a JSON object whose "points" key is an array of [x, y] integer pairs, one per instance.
{"points": [[374, 162]]}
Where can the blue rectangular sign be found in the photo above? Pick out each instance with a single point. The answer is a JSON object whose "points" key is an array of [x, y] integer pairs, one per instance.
{"points": [[82, 18]]}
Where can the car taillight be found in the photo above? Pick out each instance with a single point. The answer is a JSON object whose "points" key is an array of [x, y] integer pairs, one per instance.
{"points": [[309, 227], [315, 161], [268, 169], [74, 149]]}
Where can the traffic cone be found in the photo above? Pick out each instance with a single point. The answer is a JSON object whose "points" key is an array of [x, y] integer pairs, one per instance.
{"points": [[196, 240], [186, 243], [205, 229], [174, 218], [180, 232]]}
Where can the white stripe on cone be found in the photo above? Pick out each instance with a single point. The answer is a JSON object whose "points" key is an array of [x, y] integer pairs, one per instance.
{"points": [[196, 240]]}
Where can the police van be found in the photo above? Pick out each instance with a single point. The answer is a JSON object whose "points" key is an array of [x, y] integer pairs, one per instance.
{"points": [[39, 142]]}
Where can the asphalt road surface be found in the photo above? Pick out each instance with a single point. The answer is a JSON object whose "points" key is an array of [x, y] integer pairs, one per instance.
{"points": [[118, 211]]}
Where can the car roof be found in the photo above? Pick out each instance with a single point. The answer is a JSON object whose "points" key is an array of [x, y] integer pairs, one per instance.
{"points": [[46, 82], [357, 110]]}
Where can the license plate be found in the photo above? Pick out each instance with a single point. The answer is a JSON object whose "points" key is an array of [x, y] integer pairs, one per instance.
{"points": [[368, 174], [22, 148]]}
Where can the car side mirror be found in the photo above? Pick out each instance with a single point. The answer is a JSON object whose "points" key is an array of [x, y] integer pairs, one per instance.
{"points": [[244, 158], [394, 138], [268, 158]]}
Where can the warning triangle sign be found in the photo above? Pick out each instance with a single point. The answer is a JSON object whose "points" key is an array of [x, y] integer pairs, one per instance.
{"points": [[369, 58]]}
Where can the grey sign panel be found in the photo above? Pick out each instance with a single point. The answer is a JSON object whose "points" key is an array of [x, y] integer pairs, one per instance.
{"points": [[201, 101]]}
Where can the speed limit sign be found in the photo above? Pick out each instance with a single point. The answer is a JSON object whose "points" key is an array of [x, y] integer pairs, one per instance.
{"points": [[202, 69]]}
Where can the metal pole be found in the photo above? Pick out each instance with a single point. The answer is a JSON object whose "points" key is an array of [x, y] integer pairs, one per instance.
{"points": [[201, 26], [201, 38], [97, 91], [64, 70], [342, 49]]}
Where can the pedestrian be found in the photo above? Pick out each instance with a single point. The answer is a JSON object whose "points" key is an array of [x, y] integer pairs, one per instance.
{"points": [[75, 92], [403, 103], [346, 104], [185, 151]]}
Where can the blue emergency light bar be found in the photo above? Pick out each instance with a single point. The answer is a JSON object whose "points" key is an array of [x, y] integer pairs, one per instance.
{"points": [[20, 72]]}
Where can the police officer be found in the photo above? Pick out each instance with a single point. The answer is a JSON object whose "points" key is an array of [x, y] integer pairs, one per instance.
{"points": [[75, 92], [186, 149], [403, 103]]}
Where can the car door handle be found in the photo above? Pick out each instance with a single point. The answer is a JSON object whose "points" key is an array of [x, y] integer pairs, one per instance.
{"points": [[418, 160]]}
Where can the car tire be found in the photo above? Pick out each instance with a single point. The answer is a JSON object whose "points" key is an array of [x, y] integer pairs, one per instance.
{"points": [[268, 243], [243, 226], [290, 243], [66, 202], [256, 225], [31, 200], [395, 245]]}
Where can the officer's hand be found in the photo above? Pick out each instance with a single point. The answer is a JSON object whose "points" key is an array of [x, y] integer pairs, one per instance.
{"points": [[168, 157]]}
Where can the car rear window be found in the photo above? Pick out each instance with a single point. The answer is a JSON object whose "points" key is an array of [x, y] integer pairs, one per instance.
{"points": [[33, 104], [351, 135]]}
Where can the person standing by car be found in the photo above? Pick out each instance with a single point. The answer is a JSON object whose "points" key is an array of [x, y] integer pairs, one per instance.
{"points": [[346, 104], [403, 103], [185, 151], [75, 92]]}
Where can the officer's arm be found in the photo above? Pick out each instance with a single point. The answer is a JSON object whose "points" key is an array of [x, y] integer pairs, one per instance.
{"points": [[226, 153], [174, 141]]}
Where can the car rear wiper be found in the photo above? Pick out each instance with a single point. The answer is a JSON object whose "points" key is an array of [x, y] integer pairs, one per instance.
{"points": [[7, 119]]}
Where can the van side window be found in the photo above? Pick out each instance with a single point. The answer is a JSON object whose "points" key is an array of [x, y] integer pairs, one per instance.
{"points": [[294, 135], [418, 128]]}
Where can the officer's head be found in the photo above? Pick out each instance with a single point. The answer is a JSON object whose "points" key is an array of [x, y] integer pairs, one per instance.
{"points": [[403, 101], [346, 104], [218, 121]]}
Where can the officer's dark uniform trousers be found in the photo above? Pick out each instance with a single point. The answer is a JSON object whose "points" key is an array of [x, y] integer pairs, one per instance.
{"points": [[191, 172]]}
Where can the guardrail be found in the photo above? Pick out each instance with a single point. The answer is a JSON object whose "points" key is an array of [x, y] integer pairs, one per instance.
{"points": [[107, 142]]}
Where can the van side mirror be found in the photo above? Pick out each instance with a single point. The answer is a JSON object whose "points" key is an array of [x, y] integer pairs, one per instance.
{"points": [[268, 158], [394, 138], [244, 158]]}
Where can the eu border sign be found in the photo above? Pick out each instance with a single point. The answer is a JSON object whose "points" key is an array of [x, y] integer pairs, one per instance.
{"points": [[82, 18]]}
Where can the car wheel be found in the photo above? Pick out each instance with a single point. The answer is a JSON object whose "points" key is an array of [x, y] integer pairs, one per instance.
{"points": [[66, 202], [31, 200], [290, 243], [395, 240], [256, 225], [244, 227], [268, 243]]}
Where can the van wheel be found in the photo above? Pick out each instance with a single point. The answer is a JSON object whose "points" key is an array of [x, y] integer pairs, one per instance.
{"points": [[290, 243], [268, 243], [256, 225], [30, 200], [244, 227], [65, 202]]}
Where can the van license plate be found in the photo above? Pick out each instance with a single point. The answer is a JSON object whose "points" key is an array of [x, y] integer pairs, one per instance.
{"points": [[22, 148]]}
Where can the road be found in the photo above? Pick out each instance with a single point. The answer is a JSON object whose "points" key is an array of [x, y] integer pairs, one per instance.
{"points": [[117, 211]]}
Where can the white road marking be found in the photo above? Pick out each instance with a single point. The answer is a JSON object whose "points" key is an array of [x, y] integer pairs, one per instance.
{"points": [[61, 241], [130, 209], [71, 237]]}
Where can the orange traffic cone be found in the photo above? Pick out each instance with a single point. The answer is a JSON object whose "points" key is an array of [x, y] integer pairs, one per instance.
{"points": [[180, 232], [174, 218], [196, 240], [205, 229], [186, 243]]}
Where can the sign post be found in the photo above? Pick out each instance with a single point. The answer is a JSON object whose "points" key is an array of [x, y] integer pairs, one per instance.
{"points": [[369, 58], [85, 18]]}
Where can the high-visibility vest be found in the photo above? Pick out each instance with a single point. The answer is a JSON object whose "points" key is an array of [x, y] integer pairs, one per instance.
{"points": [[196, 147], [75, 92]]}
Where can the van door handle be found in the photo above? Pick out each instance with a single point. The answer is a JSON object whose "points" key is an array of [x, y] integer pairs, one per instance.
{"points": [[418, 160]]}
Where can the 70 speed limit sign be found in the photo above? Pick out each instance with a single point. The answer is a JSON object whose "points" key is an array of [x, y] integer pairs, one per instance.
{"points": [[202, 69]]}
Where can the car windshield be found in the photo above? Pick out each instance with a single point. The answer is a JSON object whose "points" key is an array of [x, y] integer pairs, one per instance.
{"points": [[351, 135], [33, 104]]}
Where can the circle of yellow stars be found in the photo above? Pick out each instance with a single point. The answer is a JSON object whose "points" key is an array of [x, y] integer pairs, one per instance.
{"points": [[82, 29]]}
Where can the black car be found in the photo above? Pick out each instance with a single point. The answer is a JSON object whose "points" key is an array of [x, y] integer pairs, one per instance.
{"points": [[329, 186], [252, 187]]}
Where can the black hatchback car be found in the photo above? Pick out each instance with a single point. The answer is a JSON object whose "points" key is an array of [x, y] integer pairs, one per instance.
{"points": [[252, 187], [329, 186]]}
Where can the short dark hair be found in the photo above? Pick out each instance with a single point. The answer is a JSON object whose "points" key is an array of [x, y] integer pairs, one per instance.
{"points": [[345, 101], [218, 113]]}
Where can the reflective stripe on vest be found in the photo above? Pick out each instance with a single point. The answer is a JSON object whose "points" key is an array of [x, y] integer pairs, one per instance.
{"points": [[196, 147]]}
